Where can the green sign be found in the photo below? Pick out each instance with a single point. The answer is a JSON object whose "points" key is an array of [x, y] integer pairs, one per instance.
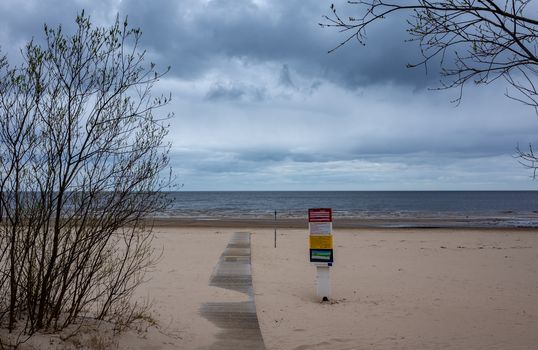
{"points": [[321, 255]]}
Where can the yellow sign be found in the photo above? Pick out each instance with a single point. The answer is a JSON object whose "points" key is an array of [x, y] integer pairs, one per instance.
{"points": [[321, 242]]}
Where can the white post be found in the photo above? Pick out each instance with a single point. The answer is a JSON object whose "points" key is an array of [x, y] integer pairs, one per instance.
{"points": [[321, 248], [323, 281]]}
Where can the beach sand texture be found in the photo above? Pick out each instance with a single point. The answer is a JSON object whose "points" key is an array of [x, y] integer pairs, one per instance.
{"points": [[392, 289], [401, 289]]}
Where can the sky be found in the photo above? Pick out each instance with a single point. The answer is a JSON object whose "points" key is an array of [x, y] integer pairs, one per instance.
{"points": [[260, 104]]}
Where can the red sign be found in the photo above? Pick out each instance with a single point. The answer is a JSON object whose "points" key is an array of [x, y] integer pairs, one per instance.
{"points": [[320, 215]]}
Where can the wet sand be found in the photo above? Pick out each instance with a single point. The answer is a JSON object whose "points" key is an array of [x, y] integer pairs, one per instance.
{"points": [[458, 222]]}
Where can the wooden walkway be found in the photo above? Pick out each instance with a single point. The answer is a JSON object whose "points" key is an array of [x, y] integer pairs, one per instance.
{"points": [[237, 320]]}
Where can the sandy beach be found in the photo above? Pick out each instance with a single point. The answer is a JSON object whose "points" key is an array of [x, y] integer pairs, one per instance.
{"points": [[401, 289], [391, 289]]}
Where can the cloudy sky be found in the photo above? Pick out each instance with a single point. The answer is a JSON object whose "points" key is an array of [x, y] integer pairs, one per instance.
{"points": [[259, 104]]}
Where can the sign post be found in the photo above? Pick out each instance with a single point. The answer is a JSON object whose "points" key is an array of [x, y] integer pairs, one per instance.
{"points": [[275, 228], [321, 248]]}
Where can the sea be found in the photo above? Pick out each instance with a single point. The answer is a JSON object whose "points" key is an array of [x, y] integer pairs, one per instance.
{"points": [[379, 208]]}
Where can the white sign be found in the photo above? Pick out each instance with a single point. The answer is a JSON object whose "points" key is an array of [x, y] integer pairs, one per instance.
{"points": [[320, 228]]}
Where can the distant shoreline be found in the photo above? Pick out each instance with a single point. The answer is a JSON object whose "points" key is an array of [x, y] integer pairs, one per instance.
{"points": [[350, 223], [471, 209]]}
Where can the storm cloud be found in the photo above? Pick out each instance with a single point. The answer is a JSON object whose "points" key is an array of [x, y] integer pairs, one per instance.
{"points": [[260, 104]]}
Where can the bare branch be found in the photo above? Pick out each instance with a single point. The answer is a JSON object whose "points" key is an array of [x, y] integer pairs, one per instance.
{"points": [[476, 41]]}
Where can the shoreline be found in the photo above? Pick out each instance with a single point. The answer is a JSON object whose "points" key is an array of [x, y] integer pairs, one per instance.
{"points": [[482, 223]]}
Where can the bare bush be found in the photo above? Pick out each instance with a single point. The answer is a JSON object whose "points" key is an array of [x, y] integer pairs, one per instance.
{"points": [[81, 169]]}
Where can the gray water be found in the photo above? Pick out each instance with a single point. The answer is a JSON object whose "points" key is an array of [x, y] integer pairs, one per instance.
{"points": [[493, 208]]}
